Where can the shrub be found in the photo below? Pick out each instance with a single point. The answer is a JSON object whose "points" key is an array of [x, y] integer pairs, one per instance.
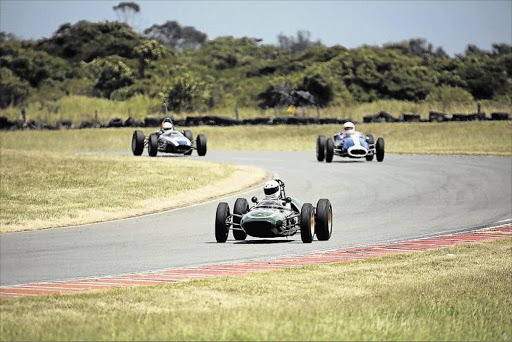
{"points": [[13, 91]]}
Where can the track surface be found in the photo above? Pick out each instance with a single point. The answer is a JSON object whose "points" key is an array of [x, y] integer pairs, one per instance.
{"points": [[402, 198]]}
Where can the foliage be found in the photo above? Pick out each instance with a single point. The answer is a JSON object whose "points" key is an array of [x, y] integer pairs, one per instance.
{"points": [[85, 41], [13, 91], [126, 10], [110, 74], [186, 93], [297, 44], [148, 51], [446, 95]]}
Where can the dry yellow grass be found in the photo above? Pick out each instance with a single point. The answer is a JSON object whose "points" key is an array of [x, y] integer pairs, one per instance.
{"points": [[45, 189]]}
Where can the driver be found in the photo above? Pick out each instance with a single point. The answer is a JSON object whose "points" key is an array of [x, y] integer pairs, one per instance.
{"points": [[348, 129], [167, 126], [272, 190]]}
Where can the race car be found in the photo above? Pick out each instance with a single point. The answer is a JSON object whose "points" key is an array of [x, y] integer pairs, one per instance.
{"points": [[168, 140], [352, 146], [283, 217]]}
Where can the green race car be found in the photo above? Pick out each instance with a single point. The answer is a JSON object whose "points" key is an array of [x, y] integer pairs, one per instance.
{"points": [[281, 217]]}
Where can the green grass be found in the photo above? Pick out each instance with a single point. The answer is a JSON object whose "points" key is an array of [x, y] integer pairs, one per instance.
{"points": [[81, 108], [421, 296], [475, 138]]}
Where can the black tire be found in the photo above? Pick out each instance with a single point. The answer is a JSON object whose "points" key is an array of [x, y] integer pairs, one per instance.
{"points": [[369, 157], [307, 223], [241, 207], [329, 150], [188, 134], [320, 148], [201, 145], [221, 229], [323, 220], [153, 145], [137, 143], [379, 147]]}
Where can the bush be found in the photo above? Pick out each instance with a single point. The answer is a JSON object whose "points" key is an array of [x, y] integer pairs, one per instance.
{"points": [[110, 74], [447, 96], [186, 93], [13, 91]]}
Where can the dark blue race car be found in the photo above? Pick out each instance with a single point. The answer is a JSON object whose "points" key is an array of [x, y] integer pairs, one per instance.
{"points": [[355, 145]]}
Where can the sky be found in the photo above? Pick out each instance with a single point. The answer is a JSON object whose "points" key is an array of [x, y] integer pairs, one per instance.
{"points": [[449, 24]]}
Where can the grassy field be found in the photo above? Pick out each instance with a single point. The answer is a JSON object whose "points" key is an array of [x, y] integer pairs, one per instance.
{"points": [[421, 296], [82, 108], [476, 138], [48, 189]]}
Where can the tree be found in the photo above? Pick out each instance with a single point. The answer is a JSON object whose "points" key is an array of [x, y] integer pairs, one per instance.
{"points": [[126, 10], [176, 37], [148, 51], [110, 74], [296, 44], [276, 95], [13, 91]]}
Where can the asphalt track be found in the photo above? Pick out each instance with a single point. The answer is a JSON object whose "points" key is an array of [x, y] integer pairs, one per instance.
{"points": [[405, 197]]}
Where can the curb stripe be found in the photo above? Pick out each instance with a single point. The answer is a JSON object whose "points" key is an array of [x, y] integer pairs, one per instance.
{"points": [[171, 276]]}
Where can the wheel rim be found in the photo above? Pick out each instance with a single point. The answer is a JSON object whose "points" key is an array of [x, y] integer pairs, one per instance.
{"points": [[329, 220], [312, 224]]}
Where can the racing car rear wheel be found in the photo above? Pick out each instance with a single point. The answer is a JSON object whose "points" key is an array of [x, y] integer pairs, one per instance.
{"points": [[379, 147], [241, 207], [188, 134], [320, 148], [307, 223], [323, 221], [153, 145], [201, 145], [329, 150], [221, 228], [137, 143]]}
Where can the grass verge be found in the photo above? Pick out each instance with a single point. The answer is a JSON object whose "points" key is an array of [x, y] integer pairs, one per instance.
{"points": [[420, 296], [48, 189], [474, 138]]}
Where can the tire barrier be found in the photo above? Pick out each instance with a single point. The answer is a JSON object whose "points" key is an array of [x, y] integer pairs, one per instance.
{"points": [[499, 116], [217, 120]]}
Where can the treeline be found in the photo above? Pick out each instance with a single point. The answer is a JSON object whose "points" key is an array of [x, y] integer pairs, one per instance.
{"points": [[188, 72]]}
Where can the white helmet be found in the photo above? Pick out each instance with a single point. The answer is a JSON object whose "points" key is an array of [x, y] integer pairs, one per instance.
{"points": [[166, 126], [349, 127], [272, 190]]}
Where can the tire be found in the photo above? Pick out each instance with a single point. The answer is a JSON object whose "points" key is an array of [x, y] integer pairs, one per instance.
{"points": [[379, 147], [153, 145], [329, 150], [188, 134], [369, 139], [201, 145], [241, 207], [221, 229], [369, 157], [323, 220], [320, 148], [137, 143], [307, 223]]}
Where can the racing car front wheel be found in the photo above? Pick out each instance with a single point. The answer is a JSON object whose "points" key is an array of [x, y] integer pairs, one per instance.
{"points": [[323, 221], [221, 228], [137, 143], [152, 145], [188, 134], [307, 223], [241, 208], [329, 150], [201, 145], [379, 147], [320, 148]]}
